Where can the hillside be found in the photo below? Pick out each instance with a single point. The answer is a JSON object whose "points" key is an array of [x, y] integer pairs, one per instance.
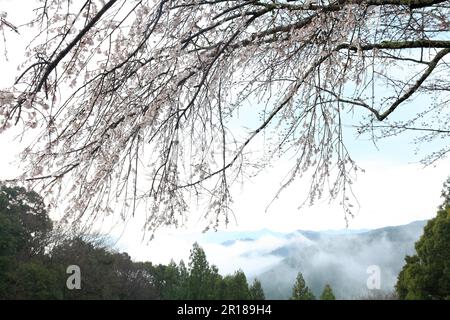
{"points": [[340, 258]]}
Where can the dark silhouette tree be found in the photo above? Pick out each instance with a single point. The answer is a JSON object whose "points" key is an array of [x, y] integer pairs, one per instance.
{"points": [[24, 234], [26, 226]]}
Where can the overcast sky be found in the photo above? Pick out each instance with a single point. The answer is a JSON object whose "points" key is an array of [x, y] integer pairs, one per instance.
{"points": [[395, 189]]}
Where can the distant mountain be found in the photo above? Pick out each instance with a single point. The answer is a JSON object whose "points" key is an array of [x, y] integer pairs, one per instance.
{"points": [[229, 237], [341, 259], [228, 243]]}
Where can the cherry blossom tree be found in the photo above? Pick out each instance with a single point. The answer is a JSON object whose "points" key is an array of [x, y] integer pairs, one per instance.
{"points": [[133, 102]]}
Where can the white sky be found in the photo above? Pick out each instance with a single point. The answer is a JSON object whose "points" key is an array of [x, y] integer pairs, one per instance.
{"points": [[394, 189]]}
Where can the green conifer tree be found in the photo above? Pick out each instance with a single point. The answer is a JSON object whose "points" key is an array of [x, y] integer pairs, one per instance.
{"points": [[300, 291], [327, 293], [256, 291]]}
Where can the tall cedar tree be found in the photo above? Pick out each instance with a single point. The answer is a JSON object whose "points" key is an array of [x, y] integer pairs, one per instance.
{"points": [[327, 293], [300, 291]]}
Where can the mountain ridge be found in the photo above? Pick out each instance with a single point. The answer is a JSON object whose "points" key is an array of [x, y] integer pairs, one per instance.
{"points": [[227, 238], [343, 261], [340, 258]]}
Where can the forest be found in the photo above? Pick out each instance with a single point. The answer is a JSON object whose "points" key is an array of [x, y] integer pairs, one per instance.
{"points": [[35, 258]]}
